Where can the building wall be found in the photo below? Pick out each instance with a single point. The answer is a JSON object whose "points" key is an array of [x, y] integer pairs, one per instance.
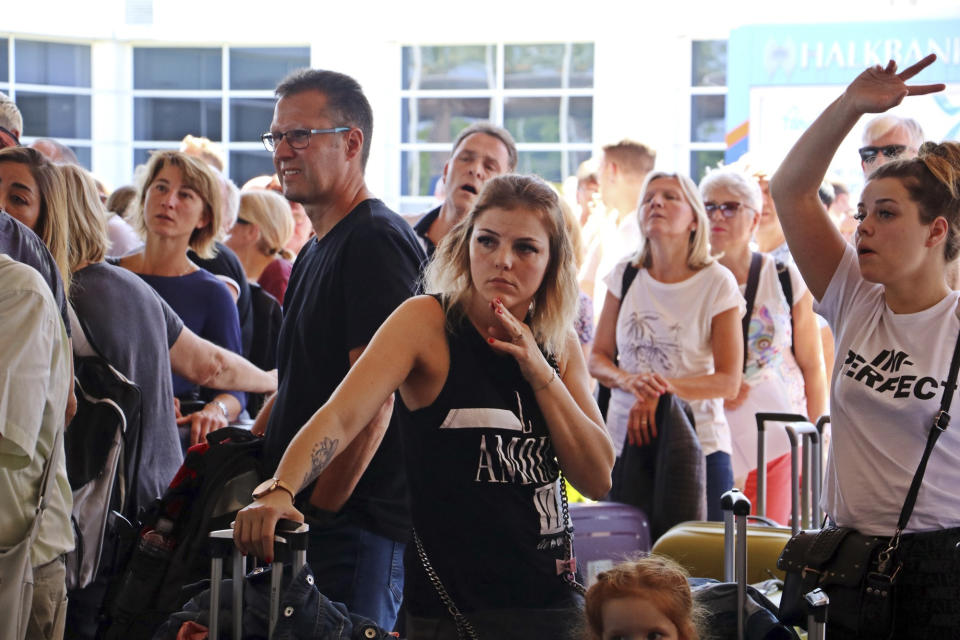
{"points": [[642, 57]]}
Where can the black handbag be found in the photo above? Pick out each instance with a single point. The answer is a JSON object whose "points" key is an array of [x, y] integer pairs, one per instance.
{"points": [[858, 572]]}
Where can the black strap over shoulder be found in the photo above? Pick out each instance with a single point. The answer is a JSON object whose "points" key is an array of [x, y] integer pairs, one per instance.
{"points": [[603, 393], [786, 285], [753, 278], [940, 423]]}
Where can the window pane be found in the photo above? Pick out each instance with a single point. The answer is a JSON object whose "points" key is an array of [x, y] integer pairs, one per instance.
{"points": [[175, 68], [172, 118], [249, 164], [575, 159], [581, 65], [530, 66], [709, 63], [532, 119], [250, 117], [83, 155], [700, 161], [580, 120], [707, 118], [264, 68], [4, 60], [52, 63], [421, 171], [545, 164], [441, 119], [471, 67], [141, 156], [55, 115]]}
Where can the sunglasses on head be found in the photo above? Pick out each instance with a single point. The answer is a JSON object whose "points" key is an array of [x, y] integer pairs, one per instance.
{"points": [[869, 154]]}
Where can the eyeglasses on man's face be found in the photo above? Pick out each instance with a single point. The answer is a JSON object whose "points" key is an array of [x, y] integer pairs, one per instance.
{"points": [[869, 154], [727, 209], [296, 138]]}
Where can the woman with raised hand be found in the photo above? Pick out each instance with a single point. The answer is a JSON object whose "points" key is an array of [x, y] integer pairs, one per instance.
{"points": [[896, 324], [495, 402], [784, 362], [676, 329], [178, 208]]}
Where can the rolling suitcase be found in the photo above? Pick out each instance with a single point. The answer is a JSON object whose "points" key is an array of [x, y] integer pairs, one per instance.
{"points": [[805, 439], [736, 509], [291, 546], [697, 545], [607, 533]]}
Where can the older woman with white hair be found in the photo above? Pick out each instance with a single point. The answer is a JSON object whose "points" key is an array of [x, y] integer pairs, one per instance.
{"points": [[263, 226], [676, 328], [783, 368]]}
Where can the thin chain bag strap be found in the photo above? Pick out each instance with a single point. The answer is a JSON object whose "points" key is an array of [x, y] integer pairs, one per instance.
{"points": [[568, 567], [940, 423], [465, 630]]}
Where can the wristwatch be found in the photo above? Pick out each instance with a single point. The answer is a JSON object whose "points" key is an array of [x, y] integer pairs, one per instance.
{"points": [[270, 485], [223, 407]]}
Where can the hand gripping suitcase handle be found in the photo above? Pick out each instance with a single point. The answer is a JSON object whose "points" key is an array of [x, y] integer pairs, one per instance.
{"points": [[289, 534]]}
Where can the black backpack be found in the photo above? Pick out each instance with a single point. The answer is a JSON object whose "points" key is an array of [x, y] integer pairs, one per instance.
{"points": [[215, 481], [102, 449]]}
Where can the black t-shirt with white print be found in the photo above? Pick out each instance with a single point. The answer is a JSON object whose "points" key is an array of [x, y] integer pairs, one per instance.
{"points": [[484, 488]]}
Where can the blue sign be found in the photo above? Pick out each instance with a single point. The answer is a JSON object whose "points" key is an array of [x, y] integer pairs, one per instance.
{"points": [[831, 54]]}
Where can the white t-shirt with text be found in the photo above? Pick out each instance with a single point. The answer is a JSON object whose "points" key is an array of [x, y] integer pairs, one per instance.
{"points": [[888, 380]]}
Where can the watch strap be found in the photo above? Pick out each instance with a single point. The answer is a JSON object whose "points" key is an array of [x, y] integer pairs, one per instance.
{"points": [[275, 483]]}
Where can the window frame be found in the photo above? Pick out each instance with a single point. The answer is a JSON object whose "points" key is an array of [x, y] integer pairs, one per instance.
{"points": [[498, 95], [225, 94], [81, 146], [692, 145]]}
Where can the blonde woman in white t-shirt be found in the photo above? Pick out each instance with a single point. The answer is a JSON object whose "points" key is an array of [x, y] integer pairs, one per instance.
{"points": [[784, 360], [895, 320], [675, 330]]}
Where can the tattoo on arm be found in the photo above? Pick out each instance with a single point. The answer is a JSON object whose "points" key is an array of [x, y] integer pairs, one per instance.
{"points": [[320, 458]]}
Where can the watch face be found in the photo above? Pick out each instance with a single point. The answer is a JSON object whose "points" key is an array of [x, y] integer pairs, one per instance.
{"points": [[265, 487]]}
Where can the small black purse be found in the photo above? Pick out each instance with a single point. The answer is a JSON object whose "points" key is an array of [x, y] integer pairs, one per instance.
{"points": [[857, 571]]}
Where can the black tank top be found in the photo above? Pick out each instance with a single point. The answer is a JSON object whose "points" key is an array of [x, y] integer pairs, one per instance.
{"points": [[484, 488]]}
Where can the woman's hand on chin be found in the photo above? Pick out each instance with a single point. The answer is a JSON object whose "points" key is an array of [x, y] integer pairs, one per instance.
{"points": [[521, 345]]}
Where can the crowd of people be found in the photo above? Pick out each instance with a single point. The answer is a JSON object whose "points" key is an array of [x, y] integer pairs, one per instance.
{"points": [[427, 392]]}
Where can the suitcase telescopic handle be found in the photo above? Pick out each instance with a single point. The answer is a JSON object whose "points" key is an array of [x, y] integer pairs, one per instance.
{"points": [[762, 419], [735, 505], [805, 507], [288, 533]]}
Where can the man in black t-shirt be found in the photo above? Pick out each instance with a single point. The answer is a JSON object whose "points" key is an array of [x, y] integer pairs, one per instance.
{"points": [[363, 262], [481, 151]]}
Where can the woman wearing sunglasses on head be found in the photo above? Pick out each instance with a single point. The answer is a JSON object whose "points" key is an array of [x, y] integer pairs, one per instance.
{"points": [[896, 325], [783, 355]]}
